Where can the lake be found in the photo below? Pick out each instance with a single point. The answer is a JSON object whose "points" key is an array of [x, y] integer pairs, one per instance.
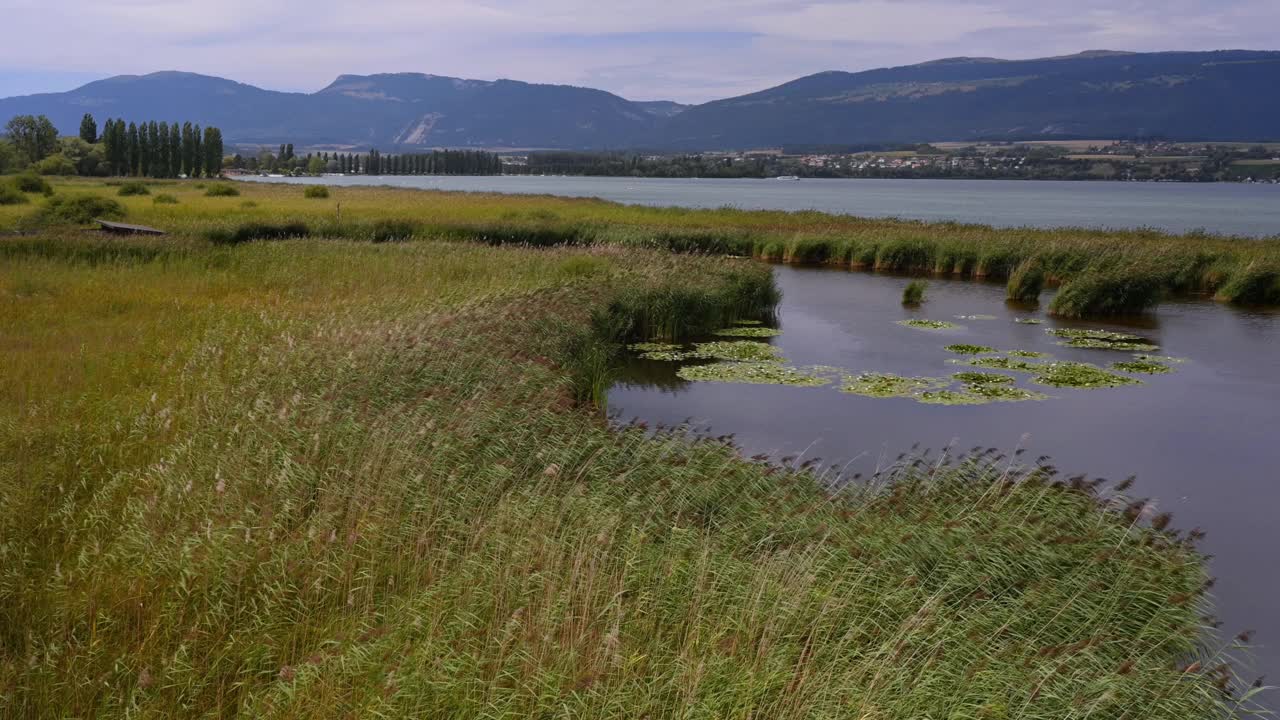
{"points": [[1224, 208], [1203, 441]]}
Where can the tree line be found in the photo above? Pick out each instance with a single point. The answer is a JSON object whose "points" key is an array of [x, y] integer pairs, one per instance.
{"points": [[374, 162], [139, 149]]}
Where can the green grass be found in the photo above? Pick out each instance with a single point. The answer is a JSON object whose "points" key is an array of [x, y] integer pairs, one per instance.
{"points": [[316, 477], [913, 293]]}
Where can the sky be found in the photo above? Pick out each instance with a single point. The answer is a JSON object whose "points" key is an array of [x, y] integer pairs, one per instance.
{"points": [[683, 50]]}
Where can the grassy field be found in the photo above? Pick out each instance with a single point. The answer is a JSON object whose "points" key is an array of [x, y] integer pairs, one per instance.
{"points": [[333, 478]]}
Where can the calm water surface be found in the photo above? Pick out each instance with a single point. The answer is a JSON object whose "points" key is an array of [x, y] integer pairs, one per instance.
{"points": [[1204, 441], [1224, 208]]}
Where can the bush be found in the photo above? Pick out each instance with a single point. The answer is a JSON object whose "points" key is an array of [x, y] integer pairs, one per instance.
{"points": [[1116, 292], [246, 232], [30, 182], [81, 209], [164, 199], [133, 188], [56, 164], [11, 195], [220, 190], [913, 293], [391, 230], [316, 192], [1026, 282]]}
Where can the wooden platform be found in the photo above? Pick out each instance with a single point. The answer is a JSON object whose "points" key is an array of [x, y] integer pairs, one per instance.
{"points": [[125, 229]]}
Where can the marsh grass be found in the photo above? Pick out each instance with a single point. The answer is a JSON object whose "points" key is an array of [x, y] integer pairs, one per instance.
{"points": [[316, 192], [322, 478], [131, 188], [913, 293]]}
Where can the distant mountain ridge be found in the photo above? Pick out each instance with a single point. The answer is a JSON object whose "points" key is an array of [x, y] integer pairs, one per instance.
{"points": [[1222, 95]]}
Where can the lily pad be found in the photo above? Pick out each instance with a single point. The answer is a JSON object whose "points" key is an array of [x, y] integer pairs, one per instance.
{"points": [[887, 385], [975, 317], [928, 324], [1122, 345], [1101, 339], [982, 378], [1027, 321], [1005, 393], [749, 332], [1026, 354], [1005, 363], [748, 322], [1145, 367], [750, 372], [737, 351], [1158, 358], [654, 347], [966, 349], [1080, 375], [951, 397]]}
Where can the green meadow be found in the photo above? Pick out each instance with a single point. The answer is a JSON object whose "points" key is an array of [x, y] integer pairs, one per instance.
{"points": [[359, 468]]}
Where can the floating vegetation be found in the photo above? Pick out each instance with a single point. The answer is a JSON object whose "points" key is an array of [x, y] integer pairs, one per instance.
{"points": [[975, 317], [1026, 354], [1145, 367], [982, 378], [1101, 339], [1004, 393], [648, 347], [1027, 321], [928, 324], [748, 322], [887, 385], [951, 397], [966, 349], [1158, 358], [735, 351], [749, 332], [1004, 363], [1080, 375], [757, 373]]}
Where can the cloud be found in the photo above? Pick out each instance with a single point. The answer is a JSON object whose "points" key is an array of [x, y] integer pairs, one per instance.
{"points": [[689, 50]]}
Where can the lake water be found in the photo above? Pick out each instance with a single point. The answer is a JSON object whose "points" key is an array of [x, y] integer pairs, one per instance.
{"points": [[1204, 441], [1224, 208]]}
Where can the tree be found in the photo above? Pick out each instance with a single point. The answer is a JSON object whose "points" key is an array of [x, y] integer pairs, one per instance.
{"points": [[188, 151], [175, 150], [88, 129], [212, 151], [316, 165], [132, 143], [33, 137]]}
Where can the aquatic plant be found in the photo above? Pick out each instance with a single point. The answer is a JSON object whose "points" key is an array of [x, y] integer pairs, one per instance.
{"points": [[975, 317], [1026, 354], [981, 378], [1028, 321], [927, 324], [1079, 375], [1158, 358], [1121, 345], [755, 373], [748, 322], [913, 293], [748, 332], [1120, 291], [1026, 282], [645, 347], [1102, 340], [1145, 367], [950, 397], [966, 349], [737, 351], [1004, 363], [887, 385], [1005, 393]]}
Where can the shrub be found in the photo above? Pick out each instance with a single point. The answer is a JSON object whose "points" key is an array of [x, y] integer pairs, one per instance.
{"points": [[391, 230], [11, 195], [913, 293], [55, 164], [133, 188], [164, 199], [220, 190], [81, 209], [316, 192], [246, 232], [30, 182], [1026, 282]]}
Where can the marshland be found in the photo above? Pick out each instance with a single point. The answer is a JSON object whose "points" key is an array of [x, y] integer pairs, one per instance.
{"points": [[353, 455]]}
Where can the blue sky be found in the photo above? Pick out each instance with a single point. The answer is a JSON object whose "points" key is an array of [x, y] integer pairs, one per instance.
{"points": [[691, 50]]}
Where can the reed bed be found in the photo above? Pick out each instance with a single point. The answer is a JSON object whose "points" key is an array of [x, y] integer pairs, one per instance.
{"points": [[324, 478], [1239, 270]]}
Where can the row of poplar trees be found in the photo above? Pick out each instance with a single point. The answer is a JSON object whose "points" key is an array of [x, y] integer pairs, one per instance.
{"points": [[161, 150]]}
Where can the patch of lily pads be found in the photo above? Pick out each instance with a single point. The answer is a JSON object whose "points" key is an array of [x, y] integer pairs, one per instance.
{"points": [[982, 378], [1101, 340], [748, 332], [1080, 375], [928, 324], [967, 349], [756, 373], [1005, 363], [1026, 354], [1027, 321], [733, 351], [975, 317], [887, 385], [1144, 367]]}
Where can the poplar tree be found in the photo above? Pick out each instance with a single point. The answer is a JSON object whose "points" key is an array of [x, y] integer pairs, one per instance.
{"points": [[197, 152], [132, 141], [88, 129], [175, 150], [212, 151], [188, 151]]}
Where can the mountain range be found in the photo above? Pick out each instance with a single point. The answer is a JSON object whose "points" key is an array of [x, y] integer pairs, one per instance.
{"points": [[1230, 95]]}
